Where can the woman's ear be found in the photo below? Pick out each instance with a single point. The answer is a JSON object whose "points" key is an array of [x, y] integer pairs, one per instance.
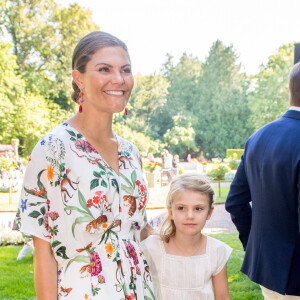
{"points": [[77, 77], [210, 213]]}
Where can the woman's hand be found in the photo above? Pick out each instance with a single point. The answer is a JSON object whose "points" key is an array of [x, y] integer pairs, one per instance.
{"points": [[146, 231], [45, 270]]}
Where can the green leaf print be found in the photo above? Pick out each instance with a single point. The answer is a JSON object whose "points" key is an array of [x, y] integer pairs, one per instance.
{"points": [[41, 220], [75, 208], [55, 243], [133, 178], [94, 183], [128, 190], [34, 214], [71, 132], [98, 174], [95, 291], [39, 183], [79, 258], [81, 220], [43, 210], [82, 202], [79, 135], [115, 184], [57, 182], [150, 291], [103, 183], [62, 167], [127, 180], [61, 251], [100, 166]]}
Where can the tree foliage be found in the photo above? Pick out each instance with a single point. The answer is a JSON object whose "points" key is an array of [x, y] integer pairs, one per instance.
{"points": [[223, 107], [43, 36], [269, 98], [195, 107]]}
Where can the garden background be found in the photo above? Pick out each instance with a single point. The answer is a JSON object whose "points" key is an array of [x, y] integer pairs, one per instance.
{"points": [[192, 107]]}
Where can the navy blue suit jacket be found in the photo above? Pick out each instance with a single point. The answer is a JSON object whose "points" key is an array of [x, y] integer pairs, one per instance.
{"points": [[264, 203]]}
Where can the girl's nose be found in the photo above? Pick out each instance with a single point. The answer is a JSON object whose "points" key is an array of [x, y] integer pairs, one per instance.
{"points": [[190, 213]]}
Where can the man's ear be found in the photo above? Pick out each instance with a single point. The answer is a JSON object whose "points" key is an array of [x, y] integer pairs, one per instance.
{"points": [[77, 77], [210, 213]]}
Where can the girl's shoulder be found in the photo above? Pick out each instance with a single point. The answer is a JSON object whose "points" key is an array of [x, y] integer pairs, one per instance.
{"points": [[215, 243], [217, 247]]}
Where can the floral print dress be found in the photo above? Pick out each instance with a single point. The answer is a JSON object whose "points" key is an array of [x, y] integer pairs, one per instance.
{"points": [[91, 216]]}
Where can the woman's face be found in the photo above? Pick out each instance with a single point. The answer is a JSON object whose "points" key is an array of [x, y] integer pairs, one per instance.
{"points": [[107, 81]]}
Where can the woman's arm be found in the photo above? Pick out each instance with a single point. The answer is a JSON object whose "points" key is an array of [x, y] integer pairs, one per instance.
{"points": [[45, 270], [146, 231], [220, 284]]}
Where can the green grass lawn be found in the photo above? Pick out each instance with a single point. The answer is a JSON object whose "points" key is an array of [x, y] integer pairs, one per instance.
{"points": [[224, 193], [240, 286], [16, 277]]}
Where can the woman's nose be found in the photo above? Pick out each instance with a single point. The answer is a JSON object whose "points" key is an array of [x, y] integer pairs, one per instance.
{"points": [[118, 77]]}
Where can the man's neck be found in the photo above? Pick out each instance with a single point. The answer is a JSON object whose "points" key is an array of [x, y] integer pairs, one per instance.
{"points": [[295, 108]]}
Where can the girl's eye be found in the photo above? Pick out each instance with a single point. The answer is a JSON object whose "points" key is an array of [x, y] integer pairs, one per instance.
{"points": [[104, 69], [127, 70], [199, 208], [180, 207]]}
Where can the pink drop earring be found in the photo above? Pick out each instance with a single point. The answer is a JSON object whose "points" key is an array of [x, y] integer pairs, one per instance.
{"points": [[126, 112], [80, 101]]}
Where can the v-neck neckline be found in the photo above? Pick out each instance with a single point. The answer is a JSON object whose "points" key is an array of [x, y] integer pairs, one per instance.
{"points": [[96, 151]]}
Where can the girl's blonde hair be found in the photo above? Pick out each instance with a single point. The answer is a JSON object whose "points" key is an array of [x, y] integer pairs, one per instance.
{"points": [[190, 182]]}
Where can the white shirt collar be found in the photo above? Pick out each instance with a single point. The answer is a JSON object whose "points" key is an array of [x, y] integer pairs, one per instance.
{"points": [[294, 108]]}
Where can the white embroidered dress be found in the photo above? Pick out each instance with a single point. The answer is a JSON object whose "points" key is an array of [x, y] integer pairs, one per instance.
{"points": [[91, 216]]}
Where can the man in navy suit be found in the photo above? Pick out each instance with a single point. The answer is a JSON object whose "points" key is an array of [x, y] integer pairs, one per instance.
{"points": [[264, 202]]}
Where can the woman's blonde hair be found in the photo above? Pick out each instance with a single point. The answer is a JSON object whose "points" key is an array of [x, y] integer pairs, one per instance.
{"points": [[190, 182]]}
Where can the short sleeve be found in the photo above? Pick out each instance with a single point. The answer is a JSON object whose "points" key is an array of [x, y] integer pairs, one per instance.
{"points": [[222, 253], [32, 213]]}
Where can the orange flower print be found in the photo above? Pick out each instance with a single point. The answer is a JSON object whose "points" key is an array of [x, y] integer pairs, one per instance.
{"points": [[109, 248], [104, 225], [50, 173]]}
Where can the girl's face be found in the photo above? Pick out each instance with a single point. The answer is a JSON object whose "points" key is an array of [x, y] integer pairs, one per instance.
{"points": [[189, 211], [107, 81]]}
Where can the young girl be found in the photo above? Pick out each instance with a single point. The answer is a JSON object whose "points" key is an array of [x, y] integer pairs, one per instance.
{"points": [[184, 263]]}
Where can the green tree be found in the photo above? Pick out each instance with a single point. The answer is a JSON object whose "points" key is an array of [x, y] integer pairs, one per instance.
{"points": [[183, 79], [222, 110], [11, 89], [180, 139], [143, 142], [23, 115], [270, 95], [218, 172], [146, 105], [43, 36]]}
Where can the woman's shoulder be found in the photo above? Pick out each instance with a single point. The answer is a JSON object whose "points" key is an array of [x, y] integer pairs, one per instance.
{"points": [[60, 132], [127, 146]]}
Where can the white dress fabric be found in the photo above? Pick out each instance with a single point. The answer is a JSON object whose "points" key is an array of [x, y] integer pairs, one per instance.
{"points": [[184, 277], [91, 216]]}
